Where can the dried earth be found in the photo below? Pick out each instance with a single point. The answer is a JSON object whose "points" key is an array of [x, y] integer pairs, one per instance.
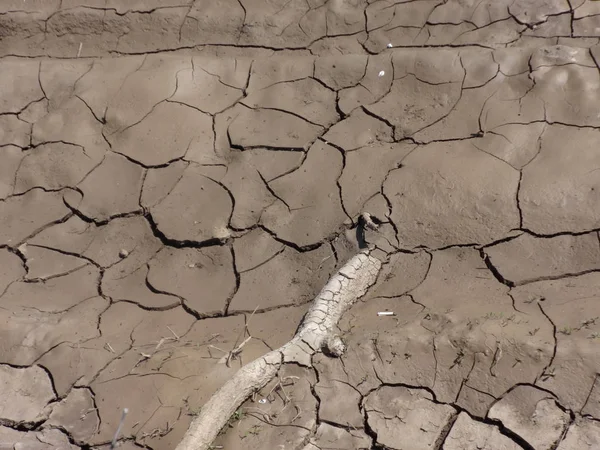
{"points": [[179, 179]]}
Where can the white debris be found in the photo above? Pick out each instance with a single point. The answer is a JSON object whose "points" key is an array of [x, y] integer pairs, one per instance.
{"points": [[386, 313], [389, 45], [382, 73], [262, 401]]}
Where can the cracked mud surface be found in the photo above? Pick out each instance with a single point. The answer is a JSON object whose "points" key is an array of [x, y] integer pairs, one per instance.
{"points": [[182, 177]]}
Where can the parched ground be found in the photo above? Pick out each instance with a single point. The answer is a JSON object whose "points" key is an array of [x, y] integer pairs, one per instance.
{"points": [[179, 179]]}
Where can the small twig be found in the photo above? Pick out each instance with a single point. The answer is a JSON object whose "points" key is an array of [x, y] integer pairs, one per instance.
{"points": [[174, 334], [298, 412], [234, 353], [79, 51], [217, 348], [238, 349], [113, 444], [161, 342], [107, 345]]}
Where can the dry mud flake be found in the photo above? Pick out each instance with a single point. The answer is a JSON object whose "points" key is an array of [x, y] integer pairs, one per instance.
{"points": [[312, 209], [441, 66], [583, 433], [475, 192], [203, 87], [24, 215], [372, 88], [385, 349], [296, 277], [53, 166], [20, 86], [343, 71], [282, 420], [99, 86], [339, 403], [11, 159], [133, 287], [191, 359], [254, 128], [150, 398], [509, 101], [278, 326], [528, 258], [72, 122], [402, 416], [203, 277], [334, 438], [278, 70], [121, 332], [28, 335], [571, 306], [569, 91], [560, 189], [77, 414], [403, 273], [365, 171], [357, 131], [103, 244], [217, 22], [14, 131], [160, 181], [58, 78], [467, 434], [306, 98], [517, 144], [165, 24], [283, 24], [202, 206], [154, 81], [102, 200], [54, 295], [532, 414], [26, 393], [167, 133], [473, 317], [35, 440], [413, 105], [247, 175], [43, 263], [11, 269]]}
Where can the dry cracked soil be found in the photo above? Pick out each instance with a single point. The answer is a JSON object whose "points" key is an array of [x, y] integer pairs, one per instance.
{"points": [[179, 178]]}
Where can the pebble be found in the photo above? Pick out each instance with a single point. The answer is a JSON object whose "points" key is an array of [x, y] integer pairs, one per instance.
{"points": [[123, 253], [382, 73]]}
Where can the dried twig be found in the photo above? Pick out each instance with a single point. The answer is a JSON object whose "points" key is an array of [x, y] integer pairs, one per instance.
{"points": [[113, 444], [233, 354]]}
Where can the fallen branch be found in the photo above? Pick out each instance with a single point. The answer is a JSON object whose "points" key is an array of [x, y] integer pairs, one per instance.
{"points": [[317, 333]]}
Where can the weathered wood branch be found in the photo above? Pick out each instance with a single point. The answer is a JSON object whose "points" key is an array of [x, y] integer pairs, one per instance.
{"points": [[316, 333]]}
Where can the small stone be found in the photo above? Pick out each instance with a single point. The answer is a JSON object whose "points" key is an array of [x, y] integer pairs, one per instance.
{"points": [[382, 73], [123, 253], [389, 45]]}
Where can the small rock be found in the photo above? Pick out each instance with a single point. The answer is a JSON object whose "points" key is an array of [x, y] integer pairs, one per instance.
{"points": [[382, 73], [123, 253], [389, 45]]}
